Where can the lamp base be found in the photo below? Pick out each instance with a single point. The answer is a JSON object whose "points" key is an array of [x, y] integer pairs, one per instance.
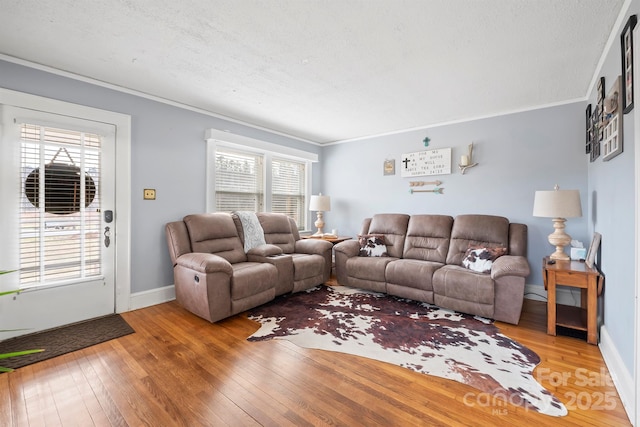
{"points": [[559, 239], [319, 223], [559, 254]]}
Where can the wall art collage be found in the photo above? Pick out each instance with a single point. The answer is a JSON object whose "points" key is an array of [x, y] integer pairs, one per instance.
{"points": [[603, 121]]}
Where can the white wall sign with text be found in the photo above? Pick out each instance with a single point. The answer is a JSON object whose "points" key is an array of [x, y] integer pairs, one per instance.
{"points": [[429, 162]]}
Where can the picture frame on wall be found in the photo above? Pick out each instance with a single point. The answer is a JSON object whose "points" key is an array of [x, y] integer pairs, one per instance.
{"points": [[600, 108], [626, 46], [594, 130], [389, 167], [587, 116], [612, 117]]}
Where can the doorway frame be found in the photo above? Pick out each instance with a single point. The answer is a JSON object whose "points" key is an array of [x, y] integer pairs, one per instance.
{"points": [[122, 122]]}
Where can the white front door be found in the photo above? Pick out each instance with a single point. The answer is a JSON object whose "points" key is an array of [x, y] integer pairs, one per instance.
{"points": [[57, 220]]}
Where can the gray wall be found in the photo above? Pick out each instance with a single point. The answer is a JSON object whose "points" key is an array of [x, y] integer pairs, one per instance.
{"points": [[517, 155], [167, 153], [612, 208]]}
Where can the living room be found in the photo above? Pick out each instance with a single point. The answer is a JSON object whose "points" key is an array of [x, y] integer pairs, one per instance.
{"points": [[518, 152]]}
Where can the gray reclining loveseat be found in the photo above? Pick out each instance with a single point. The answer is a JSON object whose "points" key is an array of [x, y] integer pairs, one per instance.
{"points": [[216, 277]]}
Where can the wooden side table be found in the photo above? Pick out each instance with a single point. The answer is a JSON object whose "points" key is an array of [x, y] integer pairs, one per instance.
{"points": [[578, 275], [335, 240]]}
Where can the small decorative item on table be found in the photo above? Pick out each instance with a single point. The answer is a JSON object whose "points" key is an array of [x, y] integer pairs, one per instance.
{"points": [[590, 260]]}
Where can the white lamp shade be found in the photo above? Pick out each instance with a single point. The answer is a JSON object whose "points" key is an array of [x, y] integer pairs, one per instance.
{"points": [[557, 204], [320, 203]]}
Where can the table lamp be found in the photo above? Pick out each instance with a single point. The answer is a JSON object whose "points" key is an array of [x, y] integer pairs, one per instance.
{"points": [[319, 204], [559, 205]]}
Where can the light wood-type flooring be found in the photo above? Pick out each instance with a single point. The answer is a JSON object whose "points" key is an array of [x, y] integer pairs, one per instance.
{"points": [[179, 370]]}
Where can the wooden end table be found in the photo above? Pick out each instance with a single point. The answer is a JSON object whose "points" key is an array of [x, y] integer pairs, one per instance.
{"points": [[577, 275], [335, 240]]}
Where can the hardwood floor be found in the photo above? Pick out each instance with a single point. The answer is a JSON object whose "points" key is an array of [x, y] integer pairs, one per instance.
{"points": [[178, 369]]}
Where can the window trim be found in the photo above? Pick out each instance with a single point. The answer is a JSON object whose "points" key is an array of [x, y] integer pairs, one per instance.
{"points": [[217, 138]]}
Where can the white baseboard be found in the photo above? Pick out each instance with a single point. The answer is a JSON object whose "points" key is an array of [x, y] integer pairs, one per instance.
{"points": [[152, 297], [622, 378], [564, 295]]}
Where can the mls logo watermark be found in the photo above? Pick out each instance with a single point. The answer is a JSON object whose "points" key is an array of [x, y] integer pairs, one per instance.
{"points": [[592, 398], [498, 401]]}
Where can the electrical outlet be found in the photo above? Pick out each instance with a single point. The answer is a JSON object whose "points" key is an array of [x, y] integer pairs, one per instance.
{"points": [[149, 194]]}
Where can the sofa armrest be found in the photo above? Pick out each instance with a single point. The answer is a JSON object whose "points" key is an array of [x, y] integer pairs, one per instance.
{"points": [[348, 248], [265, 251], [312, 246], [510, 265], [344, 251], [205, 263]]}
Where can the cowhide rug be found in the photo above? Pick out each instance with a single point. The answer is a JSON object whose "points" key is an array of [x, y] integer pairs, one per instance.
{"points": [[417, 336]]}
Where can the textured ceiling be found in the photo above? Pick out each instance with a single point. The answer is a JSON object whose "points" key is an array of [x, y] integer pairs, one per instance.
{"points": [[324, 70]]}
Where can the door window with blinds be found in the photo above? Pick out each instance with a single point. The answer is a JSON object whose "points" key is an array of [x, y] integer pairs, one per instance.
{"points": [[59, 219], [260, 182]]}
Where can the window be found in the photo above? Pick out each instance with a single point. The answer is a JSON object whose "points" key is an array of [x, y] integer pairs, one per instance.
{"points": [[288, 185], [239, 181], [59, 233], [240, 184], [250, 175]]}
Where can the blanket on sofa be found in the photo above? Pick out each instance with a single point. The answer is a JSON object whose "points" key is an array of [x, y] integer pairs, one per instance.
{"points": [[253, 232]]}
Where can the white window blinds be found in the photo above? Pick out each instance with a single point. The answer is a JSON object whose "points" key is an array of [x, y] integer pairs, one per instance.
{"points": [[60, 228], [259, 182], [239, 181], [288, 189]]}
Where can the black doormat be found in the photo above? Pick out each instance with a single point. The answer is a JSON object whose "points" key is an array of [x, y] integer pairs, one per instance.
{"points": [[62, 340]]}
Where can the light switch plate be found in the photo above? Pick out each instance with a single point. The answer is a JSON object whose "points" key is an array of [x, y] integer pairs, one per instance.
{"points": [[149, 194]]}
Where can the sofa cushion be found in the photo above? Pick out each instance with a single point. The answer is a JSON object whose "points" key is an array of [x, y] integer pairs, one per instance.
{"points": [[394, 228], [215, 233], [479, 230], [480, 259], [459, 283], [428, 238], [462, 290], [412, 273], [277, 230], [252, 278], [368, 268], [372, 245], [307, 265]]}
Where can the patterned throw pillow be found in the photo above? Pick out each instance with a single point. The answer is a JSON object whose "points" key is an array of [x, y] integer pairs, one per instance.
{"points": [[481, 259], [372, 245]]}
